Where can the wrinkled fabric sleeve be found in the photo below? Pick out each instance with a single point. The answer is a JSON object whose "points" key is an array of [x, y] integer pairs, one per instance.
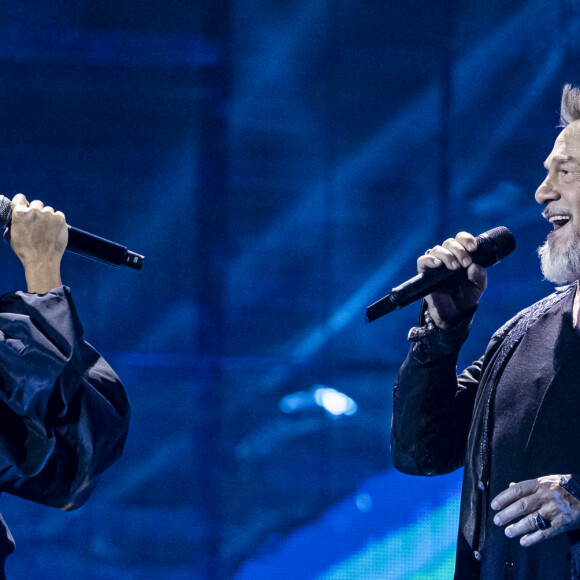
{"points": [[432, 406], [63, 412]]}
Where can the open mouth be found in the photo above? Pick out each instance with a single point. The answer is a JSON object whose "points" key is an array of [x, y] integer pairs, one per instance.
{"points": [[559, 220]]}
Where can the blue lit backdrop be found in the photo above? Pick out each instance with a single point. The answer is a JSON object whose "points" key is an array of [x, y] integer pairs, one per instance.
{"points": [[281, 165]]}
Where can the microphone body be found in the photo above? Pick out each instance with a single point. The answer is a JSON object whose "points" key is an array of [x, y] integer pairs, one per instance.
{"points": [[86, 244], [492, 246]]}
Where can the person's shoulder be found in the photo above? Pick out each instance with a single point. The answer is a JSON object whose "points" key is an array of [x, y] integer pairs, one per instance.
{"points": [[535, 310]]}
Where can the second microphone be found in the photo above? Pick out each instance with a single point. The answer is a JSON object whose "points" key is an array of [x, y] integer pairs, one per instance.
{"points": [[492, 246]]}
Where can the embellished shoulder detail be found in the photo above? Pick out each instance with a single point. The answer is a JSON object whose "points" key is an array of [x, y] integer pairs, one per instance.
{"points": [[535, 310]]}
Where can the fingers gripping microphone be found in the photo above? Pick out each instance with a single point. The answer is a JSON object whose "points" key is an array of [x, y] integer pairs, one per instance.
{"points": [[86, 244], [492, 246]]}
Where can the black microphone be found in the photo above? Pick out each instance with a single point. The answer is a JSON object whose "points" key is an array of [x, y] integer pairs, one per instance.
{"points": [[492, 246], [86, 244]]}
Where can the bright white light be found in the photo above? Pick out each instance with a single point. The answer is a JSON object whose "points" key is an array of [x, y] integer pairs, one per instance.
{"points": [[335, 402]]}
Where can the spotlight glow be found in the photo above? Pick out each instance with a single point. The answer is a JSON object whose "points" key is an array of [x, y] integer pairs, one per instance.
{"points": [[334, 402]]}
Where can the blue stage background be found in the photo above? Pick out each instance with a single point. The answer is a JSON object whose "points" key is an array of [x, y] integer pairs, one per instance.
{"points": [[281, 165]]}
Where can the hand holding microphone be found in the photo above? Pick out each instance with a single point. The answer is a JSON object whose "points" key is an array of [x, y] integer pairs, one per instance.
{"points": [[79, 241], [452, 300], [38, 236], [452, 276]]}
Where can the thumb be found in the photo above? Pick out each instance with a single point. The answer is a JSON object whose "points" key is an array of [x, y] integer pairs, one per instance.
{"points": [[477, 275]]}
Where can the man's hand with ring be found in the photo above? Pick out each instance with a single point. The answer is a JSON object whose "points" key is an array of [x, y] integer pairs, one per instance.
{"points": [[541, 507]]}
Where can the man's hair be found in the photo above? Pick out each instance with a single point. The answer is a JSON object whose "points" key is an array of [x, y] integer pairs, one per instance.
{"points": [[570, 107]]}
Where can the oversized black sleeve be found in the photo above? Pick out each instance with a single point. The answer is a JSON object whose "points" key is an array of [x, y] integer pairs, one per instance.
{"points": [[432, 405], [63, 412]]}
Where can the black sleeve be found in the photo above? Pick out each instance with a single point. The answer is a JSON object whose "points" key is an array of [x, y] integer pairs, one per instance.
{"points": [[432, 406], [63, 412]]}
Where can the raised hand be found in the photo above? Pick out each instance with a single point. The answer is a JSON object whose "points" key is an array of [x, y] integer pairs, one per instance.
{"points": [[447, 305], [38, 235]]}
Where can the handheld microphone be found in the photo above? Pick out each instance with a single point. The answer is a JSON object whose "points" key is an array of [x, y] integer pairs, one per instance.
{"points": [[89, 245], [492, 246]]}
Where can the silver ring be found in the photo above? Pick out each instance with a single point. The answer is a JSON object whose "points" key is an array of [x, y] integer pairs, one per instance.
{"points": [[539, 522]]}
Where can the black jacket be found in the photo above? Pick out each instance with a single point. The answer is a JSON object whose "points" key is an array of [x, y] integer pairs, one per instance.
{"points": [[63, 412], [442, 421]]}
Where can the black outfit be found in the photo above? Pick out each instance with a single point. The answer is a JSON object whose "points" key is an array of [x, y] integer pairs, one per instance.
{"points": [[63, 413], [511, 416]]}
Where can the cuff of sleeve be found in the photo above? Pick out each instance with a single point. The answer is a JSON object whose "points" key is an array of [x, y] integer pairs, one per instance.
{"points": [[432, 343], [571, 484]]}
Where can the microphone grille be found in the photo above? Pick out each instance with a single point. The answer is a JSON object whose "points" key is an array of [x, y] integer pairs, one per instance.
{"points": [[493, 246], [5, 210]]}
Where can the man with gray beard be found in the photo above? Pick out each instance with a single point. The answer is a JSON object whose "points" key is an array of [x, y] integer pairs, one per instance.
{"points": [[512, 418]]}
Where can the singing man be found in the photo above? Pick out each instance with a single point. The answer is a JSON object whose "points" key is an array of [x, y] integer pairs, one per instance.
{"points": [[512, 418]]}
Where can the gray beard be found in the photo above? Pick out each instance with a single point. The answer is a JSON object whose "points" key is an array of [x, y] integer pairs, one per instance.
{"points": [[561, 265]]}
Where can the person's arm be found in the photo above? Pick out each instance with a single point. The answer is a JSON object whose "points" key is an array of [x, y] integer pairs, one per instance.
{"points": [[432, 406], [63, 412]]}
